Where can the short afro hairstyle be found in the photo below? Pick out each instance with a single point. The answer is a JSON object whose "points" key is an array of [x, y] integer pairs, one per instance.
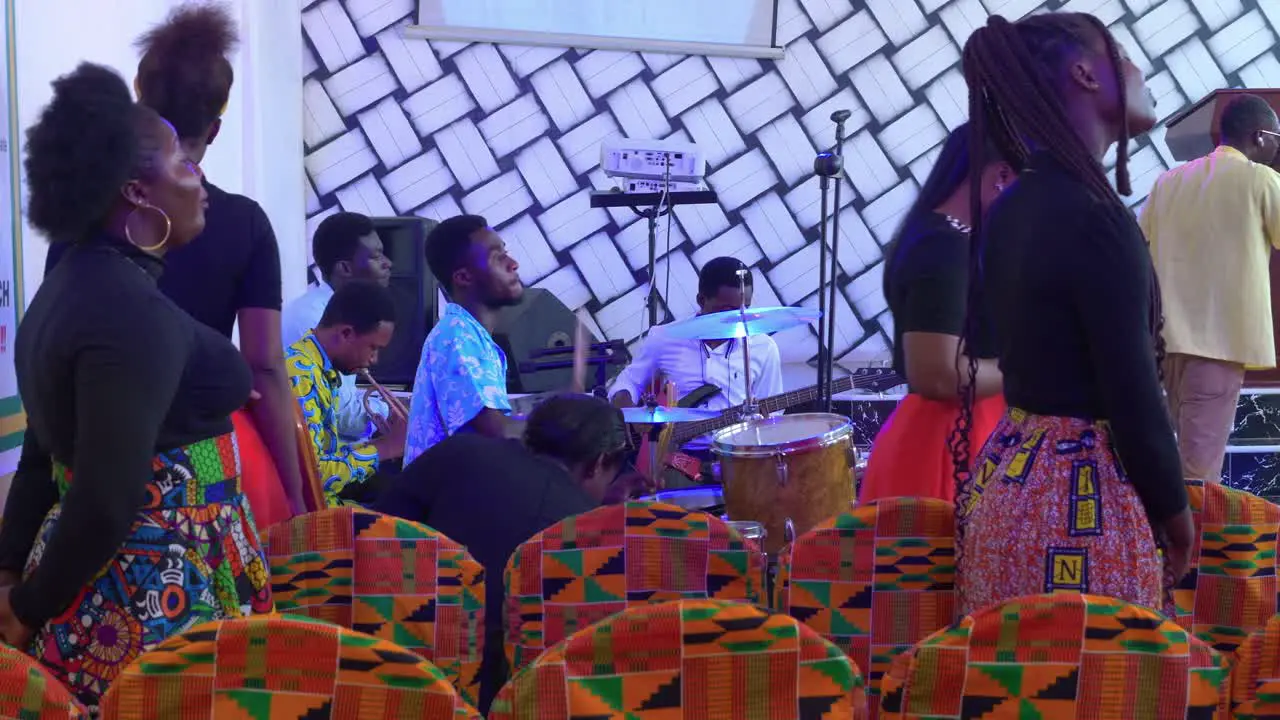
{"points": [[447, 246], [576, 429], [361, 304], [338, 238], [89, 141], [184, 73], [721, 272], [1243, 116]]}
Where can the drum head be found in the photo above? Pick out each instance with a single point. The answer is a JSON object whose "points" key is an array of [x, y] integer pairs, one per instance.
{"points": [[695, 498], [782, 435]]}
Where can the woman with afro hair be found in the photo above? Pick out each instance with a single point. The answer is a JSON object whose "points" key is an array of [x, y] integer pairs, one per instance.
{"points": [[231, 272], [125, 522]]}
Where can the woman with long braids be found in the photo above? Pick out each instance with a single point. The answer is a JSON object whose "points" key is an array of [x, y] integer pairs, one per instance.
{"points": [[1080, 485], [926, 283], [231, 272], [125, 522]]}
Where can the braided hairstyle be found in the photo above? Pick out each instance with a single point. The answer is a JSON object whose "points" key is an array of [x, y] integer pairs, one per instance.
{"points": [[184, 73], [1011, 71]]}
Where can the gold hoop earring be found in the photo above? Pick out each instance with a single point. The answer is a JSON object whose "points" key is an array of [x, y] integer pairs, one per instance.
{"points": [[168, 228]]}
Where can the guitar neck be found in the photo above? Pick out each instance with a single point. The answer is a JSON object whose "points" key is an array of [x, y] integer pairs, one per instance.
{"points": [[770, 405]]}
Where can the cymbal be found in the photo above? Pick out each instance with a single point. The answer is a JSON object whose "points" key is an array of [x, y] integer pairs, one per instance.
{"points": [[661, 415], [729, 324]]}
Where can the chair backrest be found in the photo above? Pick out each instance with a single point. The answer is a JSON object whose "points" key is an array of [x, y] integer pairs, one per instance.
{"points": [[1059, 656], [394, 579], [1231, 589], [308, 463], [28, 690], [590, 566], [688, 658], [276, 666], [874, 580], [1255, 677]]}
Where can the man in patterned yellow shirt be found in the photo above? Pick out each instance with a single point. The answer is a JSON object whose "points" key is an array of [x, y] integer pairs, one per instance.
{"points": [[357, 324], [1211, 225]]}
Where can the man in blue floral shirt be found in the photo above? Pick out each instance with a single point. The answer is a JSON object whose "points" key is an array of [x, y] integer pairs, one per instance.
{"points": [[461, 383]]}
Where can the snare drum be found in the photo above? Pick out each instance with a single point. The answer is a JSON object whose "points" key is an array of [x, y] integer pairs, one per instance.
{"points": [[789, 472], [705, 498]]}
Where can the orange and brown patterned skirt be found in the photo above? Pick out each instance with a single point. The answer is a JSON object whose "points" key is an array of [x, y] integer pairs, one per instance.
{"points": [[1049, 509]]}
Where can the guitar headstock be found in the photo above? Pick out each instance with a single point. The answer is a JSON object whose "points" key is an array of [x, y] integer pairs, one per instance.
{"points": [[876, 379]]}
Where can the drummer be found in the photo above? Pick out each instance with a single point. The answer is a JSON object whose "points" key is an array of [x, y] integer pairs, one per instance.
{"points": [[715, 366]]}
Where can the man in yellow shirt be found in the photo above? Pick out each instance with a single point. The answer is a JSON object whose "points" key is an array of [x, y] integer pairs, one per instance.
{"points": [[356, 324], [1212, 224]]}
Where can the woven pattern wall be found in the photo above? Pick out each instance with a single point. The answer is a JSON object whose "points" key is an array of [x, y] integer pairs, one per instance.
{"points": [[398, 126]]}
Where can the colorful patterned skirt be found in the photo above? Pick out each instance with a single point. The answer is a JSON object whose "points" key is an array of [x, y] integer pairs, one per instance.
{"points": [[1049, 509], [192, 556], [912, 457]]}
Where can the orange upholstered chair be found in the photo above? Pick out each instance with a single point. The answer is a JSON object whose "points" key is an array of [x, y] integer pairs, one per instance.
{"points": [[688, 659], [274, 667], [394, 579], [590, 566], [874, 580]]}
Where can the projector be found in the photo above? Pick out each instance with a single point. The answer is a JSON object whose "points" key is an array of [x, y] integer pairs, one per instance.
{"points": [[658, 160], [630, 185]]}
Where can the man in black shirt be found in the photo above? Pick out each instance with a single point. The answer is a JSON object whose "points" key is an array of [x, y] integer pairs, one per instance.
{"points": [[491, 494]]}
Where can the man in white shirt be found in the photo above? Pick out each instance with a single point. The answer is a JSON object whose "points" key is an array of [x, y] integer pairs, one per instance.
{"points": [[690, 364], [345, 247]]}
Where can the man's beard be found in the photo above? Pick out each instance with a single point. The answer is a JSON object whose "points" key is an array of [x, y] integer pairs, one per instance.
{"points": [[504, 302]]}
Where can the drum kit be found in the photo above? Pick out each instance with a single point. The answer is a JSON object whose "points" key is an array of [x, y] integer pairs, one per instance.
{"points": [[780, 475]]}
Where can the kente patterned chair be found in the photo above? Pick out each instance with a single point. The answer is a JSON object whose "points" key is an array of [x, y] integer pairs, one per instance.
{"points": [[874, 580], [1064, 655], [688, 659], [590, 566], [29, 692], [391, 578], [275, 667], [1255, 679], [1231, 588]]}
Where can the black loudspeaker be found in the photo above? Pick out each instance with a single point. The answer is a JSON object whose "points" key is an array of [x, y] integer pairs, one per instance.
{"points": [[413, 288], [539, 322]]}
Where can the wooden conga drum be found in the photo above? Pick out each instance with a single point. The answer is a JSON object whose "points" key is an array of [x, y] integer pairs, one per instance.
{"points": [[788, 473]]}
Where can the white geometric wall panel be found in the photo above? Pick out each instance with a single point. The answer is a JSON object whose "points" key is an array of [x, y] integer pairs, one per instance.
{"points": [[400, 126]]}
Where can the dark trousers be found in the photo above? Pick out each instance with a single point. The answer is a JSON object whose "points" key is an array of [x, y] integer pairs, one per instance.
{"points": [[368, 492]]}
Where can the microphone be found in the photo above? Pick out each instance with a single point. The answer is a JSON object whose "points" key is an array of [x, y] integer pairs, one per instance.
{"points": [[840, 116], [827, 165]]}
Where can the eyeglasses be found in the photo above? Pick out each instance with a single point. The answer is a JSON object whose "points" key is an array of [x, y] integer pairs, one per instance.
{"points": [[1268, 132]]}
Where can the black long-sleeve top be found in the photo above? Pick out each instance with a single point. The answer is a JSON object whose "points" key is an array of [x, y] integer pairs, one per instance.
{"points": [[111, 372], [1069, 285]]}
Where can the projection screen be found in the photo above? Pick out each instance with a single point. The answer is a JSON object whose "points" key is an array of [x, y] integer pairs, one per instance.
{"points": [[736, 28]]}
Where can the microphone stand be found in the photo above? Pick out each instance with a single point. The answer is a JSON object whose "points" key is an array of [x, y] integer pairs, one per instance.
{"points": [[839, 117], [825, 166]]}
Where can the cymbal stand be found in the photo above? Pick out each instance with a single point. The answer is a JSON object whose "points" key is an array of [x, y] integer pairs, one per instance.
{"points": [[750, 408]]}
